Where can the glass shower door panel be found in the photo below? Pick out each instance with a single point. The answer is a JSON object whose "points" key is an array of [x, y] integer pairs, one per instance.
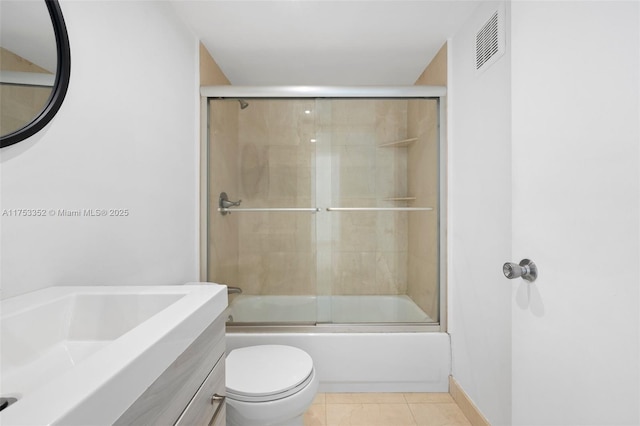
{"points": [[338, 221], [376, 213], [272, 158]]}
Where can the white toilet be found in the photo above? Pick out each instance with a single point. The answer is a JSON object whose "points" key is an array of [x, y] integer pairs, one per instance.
{"points": [[269, 385]]}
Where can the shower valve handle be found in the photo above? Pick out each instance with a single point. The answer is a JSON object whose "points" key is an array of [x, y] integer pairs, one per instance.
{"points": [[224, 203], [525, 269]]}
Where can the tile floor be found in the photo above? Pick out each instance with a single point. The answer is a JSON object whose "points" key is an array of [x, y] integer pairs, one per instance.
{"points": [[384, 409]]}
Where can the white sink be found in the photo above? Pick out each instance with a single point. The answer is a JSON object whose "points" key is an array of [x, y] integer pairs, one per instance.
{"points": [[83, 355]]}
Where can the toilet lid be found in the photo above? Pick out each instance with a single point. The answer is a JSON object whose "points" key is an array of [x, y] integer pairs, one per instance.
{"points": [[259, 371]]}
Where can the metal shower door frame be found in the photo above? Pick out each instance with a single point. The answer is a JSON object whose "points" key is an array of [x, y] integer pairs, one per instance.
{"points": [[437, 93]]}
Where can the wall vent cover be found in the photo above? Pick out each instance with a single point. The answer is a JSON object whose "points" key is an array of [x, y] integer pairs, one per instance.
{"points": [[490, 41]]}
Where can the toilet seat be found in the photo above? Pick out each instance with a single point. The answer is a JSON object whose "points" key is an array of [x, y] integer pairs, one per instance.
{"points": [[267, 372]]}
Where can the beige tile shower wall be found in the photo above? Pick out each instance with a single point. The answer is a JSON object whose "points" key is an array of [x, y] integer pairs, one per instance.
{"points": [[218, 160], [223, 176], [277, 252], [369, 249], [210, 72], [423, 184]]}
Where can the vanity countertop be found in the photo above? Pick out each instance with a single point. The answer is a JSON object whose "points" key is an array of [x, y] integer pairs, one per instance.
{"points": [[67, 350]]}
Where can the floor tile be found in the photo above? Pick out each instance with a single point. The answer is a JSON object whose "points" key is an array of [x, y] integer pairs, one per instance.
{"points": [[315, 415], [421, 398], [438, 414], [320, 398], [384, 409], [369, 415], [365, 398]]}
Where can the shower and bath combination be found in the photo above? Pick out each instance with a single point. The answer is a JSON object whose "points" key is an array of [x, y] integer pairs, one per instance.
{"points": [[339, 238], [337, 185]]}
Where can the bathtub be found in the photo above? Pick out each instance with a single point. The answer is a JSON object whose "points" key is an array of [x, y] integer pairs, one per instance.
{"points": [[334, 309], [350, 352]]}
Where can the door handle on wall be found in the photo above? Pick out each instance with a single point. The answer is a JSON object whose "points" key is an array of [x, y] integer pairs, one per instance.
{"points": [[525, 269]]}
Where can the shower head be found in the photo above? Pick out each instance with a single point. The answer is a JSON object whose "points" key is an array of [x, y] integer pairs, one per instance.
{"points": [[243, 103]]}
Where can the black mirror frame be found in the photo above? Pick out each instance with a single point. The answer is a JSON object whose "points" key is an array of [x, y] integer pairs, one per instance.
{"points": [[60, 86]]}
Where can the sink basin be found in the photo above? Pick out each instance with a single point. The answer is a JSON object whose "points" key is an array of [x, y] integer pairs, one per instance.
{"points": [[83, 355]]}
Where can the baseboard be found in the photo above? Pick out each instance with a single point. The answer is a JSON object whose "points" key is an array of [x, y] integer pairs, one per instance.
{"points": [[467, 406]]}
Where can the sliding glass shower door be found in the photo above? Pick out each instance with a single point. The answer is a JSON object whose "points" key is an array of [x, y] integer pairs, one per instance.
{"points": [[261, 156], [331, 213], [373, 163]]}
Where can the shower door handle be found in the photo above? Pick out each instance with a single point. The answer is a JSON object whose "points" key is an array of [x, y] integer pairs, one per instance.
{"points": [[525, 269]]}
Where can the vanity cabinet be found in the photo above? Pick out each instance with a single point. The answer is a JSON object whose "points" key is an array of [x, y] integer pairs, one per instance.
{"points": [[208, 404], [184, 393]]}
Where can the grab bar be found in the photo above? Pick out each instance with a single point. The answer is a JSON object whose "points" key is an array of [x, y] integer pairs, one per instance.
{"points": [[377, 209], [274, 209]]}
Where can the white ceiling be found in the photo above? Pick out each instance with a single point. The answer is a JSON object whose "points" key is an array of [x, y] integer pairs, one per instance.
{"points": [[323, 42]]}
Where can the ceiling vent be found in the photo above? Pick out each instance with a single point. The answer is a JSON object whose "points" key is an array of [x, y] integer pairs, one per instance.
{"points": [[490, 41]]}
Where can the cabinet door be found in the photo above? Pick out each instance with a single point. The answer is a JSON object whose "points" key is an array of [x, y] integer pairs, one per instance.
{"points": [[208, 405], [164, 401]]}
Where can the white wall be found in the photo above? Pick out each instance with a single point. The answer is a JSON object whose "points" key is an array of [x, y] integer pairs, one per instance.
{"points": [[576, 140], [550, 150], [125, 138], [480, 222]]}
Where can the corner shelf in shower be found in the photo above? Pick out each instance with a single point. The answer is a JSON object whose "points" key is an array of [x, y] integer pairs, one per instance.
{"points": [[398, 144]]}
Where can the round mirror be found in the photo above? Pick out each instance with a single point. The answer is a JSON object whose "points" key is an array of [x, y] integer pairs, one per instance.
{"points": [[35, 64]]}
